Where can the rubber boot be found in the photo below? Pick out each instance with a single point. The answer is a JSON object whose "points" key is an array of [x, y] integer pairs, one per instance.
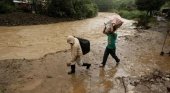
{"points": [[87, 65], [72, 69]]}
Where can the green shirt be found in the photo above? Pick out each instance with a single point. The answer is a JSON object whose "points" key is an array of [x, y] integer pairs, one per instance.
{"points": [[112, 40]]}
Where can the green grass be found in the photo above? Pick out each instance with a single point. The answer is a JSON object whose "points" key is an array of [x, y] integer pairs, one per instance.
{"points": [[130, 14]]}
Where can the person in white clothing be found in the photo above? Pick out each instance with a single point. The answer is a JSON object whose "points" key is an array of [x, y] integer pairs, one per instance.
{"points": [[76, 54]]}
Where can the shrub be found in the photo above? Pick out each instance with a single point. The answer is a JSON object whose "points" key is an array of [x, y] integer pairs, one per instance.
{"points": [[104, 5], [6, 8], [24, 7], [143, 21], [149, 5], [84, 9], [130, 14], [109, 5], [78, 9], [54, 8]]}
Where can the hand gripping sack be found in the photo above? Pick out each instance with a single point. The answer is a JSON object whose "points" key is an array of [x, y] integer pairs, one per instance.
{"points": [[85, 45]]}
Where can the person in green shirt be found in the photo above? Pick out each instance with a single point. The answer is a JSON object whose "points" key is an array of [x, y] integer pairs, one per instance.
{"points": [[111, 47]]}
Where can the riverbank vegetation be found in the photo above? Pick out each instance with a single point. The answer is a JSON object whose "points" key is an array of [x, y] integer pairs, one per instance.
{"points": [[143, 11], [140, 10]]}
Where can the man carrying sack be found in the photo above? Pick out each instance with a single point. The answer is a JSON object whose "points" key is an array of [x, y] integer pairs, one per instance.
{"points": [[109, 30]]}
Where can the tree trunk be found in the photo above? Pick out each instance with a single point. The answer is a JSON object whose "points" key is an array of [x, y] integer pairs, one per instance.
{"points": [[147, 13], [151, 12], [33, 6]]}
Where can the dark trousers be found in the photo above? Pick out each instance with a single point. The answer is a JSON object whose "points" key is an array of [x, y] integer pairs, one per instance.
{"points": [[112, 52]]}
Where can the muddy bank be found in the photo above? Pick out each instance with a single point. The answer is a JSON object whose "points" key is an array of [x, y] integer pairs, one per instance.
{"points": [[135, 73], [49, 74], [155, 82], [21, 19]]}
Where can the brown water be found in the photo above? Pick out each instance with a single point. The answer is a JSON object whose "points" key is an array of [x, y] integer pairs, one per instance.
{"points": [[138, 51]]}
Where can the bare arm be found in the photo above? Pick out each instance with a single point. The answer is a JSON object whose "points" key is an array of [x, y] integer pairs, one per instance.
{"points": [[104, 29]]}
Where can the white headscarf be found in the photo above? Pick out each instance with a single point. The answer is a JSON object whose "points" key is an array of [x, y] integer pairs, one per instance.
{"points": [[70, 39]]}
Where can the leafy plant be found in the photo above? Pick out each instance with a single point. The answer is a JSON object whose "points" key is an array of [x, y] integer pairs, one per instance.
{"points": [[149, 5], [130, 14], [78, 9], [6, 7]]}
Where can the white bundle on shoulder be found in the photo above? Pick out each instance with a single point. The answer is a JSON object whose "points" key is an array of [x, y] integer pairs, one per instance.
{"points": [[113, 25], [109, 27]]}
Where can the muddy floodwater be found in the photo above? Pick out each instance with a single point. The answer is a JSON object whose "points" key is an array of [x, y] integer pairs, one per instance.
{"points": [[33, 58]]}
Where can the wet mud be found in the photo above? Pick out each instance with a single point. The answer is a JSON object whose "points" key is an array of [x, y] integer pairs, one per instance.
{"points": [[33, 59]]}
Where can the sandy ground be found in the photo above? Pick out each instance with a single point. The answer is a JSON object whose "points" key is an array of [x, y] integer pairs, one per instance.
{"points": [[33, 58]]}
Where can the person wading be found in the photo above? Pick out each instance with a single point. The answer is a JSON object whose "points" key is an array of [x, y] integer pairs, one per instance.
{"points": [[112, 36], [76, 54]]}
